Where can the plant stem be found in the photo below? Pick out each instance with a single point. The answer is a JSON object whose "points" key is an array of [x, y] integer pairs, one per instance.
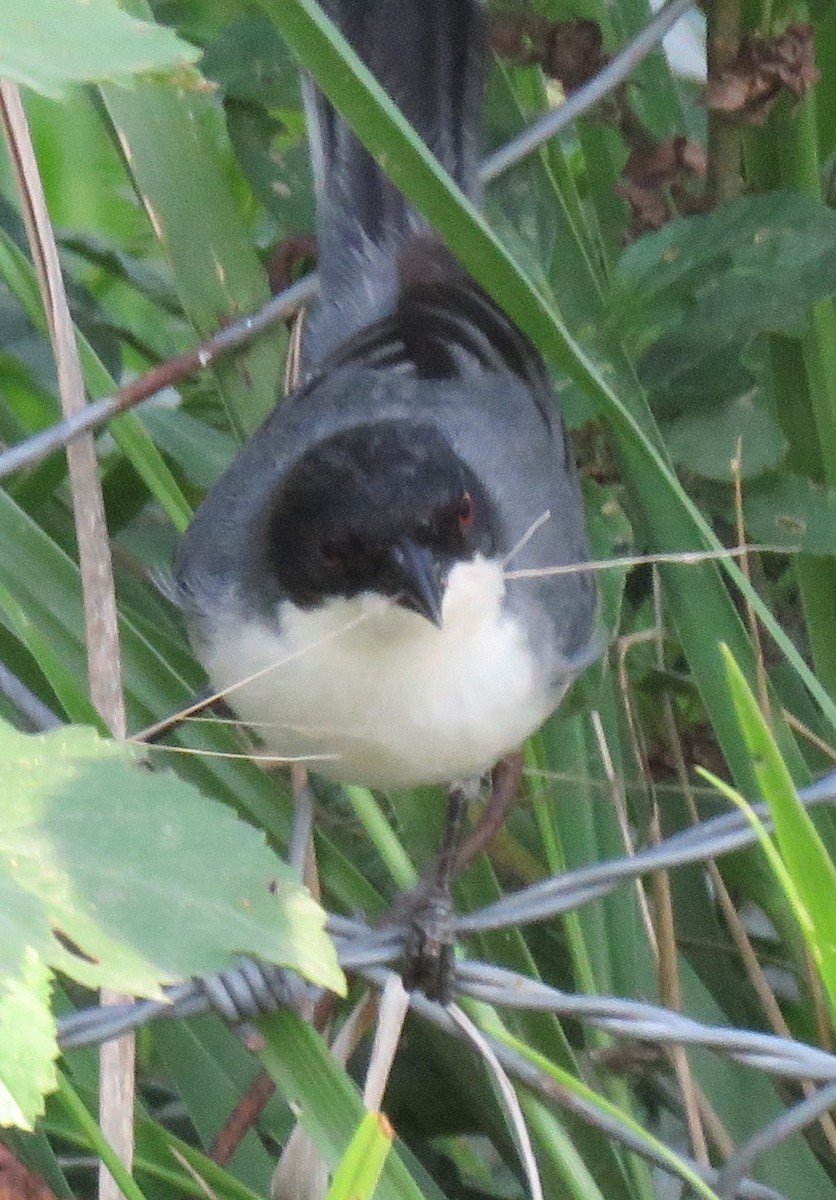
{"points": [[724, 180]]}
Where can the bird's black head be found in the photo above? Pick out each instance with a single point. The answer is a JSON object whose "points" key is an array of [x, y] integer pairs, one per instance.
{"points": [[386, 507]]}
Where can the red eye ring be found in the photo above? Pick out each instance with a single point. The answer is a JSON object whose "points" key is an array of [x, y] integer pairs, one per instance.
{"points": [[467, 512], [331, 553]]}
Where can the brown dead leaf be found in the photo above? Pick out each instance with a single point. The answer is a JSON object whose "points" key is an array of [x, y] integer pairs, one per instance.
{"points": [[659, 180], [574, 53], [649, 208], [765, 68], [569, 51], [660, 164]]}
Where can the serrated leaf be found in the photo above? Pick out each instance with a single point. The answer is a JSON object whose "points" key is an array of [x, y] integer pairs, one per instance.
{"points": [[28, 1043], [50, 44], [149, 880]]}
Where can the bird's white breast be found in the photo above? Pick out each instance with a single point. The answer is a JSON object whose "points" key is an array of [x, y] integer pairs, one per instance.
{"points": [[377, 695]]}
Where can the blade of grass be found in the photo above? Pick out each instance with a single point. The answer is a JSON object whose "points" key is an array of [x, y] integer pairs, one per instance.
{"points": [[357, 1175], [804, 868], [127, 430], [87, 1126], [698, 598], [170, 147], [329, 1106], [804, 370]]}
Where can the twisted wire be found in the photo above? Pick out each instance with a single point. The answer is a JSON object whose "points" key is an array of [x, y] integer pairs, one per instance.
{"points": [[250, 988]]}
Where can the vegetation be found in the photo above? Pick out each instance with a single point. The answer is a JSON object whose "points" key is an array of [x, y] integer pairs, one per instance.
{"points": [[673, 254]]}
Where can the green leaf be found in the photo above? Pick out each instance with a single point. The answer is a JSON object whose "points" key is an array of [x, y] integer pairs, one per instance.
{"points": [[741, 429], [172, 149], [715, 274], [28, 1044], [357, 1175], [812, 874], [325, 1099], [92, 1136], [251, 62], [788, 510], [50, 44], [150, 881]]}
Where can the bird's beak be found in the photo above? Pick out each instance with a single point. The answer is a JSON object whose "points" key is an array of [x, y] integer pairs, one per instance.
{"points": [[419, 579]]}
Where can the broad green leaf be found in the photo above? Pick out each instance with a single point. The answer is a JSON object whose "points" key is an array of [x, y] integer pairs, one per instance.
{"points": [[787, 510], [740, 430], [276, 165], [680, 378], [250, 62], [28, 1045], [148, 879], [263, 104], [714, 274], [50, 44]]}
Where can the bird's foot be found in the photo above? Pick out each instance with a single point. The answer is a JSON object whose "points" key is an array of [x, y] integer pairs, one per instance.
{"points": [[427, 911], [428, 960]]}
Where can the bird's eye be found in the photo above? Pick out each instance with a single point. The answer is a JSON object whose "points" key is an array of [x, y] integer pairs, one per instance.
{"points": [[467, 512], [331, 552]]}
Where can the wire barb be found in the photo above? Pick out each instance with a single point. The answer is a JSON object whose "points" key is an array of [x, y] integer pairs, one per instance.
{"points": [[251, 988]]}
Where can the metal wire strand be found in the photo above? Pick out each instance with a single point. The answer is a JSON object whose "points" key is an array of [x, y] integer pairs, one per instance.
{"points": [[289, 301], [562, 893], [361, 948], [35, 712], [234, 995], [645, 1022], [772, 1135], [586, 97], [542, 1084]]}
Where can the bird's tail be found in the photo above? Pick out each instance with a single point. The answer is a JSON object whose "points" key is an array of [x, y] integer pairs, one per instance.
{"points": [[429, 55]]}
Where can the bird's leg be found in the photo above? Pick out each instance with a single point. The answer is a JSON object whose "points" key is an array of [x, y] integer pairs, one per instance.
{"points": [[428, 955], [505, 779]]}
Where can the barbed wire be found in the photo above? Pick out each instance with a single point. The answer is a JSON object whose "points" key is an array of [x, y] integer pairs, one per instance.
{"points": [[252, 988]]}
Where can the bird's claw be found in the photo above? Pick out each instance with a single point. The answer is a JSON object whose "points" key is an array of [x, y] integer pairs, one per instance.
{"points": [[428, 960]]}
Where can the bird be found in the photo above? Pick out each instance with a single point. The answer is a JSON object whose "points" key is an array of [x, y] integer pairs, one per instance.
{"points": [[368, 583]]}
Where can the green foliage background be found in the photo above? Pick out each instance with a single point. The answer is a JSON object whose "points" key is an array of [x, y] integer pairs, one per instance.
{"points": [[709, 342]]}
